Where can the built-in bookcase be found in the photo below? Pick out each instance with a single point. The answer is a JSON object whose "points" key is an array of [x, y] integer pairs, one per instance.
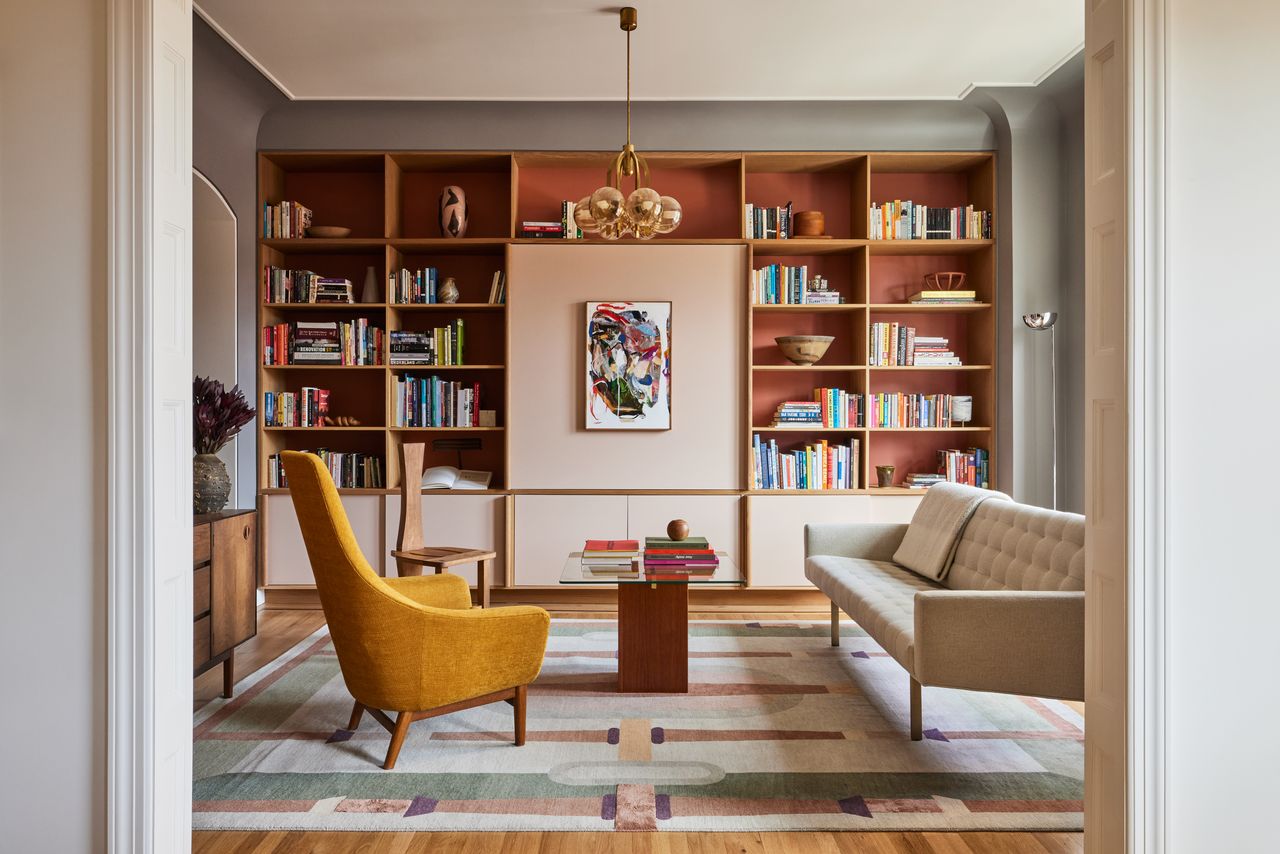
{"points": [[389, 200]]}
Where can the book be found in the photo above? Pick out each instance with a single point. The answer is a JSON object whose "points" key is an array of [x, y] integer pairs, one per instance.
{"points": [[439, 346], [287, 220], [434, 402], [610, 547], [354, 342], [901, 409], [349, 470], [895, 345], [764, 223], [686, 543], [448, 477], [815, 466], [306, 408], [907, 220]]}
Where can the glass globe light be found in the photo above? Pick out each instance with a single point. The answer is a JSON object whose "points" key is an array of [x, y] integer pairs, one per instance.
{"points": [[671, 217], [645, 232], [582, 215], [644, 206], [611, 230], [606, 205]]}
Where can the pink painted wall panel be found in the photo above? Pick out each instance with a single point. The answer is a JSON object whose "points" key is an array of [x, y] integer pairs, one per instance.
{"points": [[549, 447]]}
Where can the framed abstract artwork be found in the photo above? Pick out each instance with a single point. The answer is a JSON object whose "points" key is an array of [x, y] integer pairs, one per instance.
{"points": [[628, 366]]}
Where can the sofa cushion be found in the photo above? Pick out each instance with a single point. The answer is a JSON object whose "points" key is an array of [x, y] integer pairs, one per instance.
{"points": [[1009, 546], [879, 595]]}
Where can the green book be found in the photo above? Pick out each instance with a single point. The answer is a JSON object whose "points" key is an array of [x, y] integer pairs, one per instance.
{"points": [[686, 543]]}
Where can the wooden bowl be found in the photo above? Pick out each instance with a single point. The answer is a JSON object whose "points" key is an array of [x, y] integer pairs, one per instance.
{"points": [[810, 224], [804, 349], [944, 281], [328, 232]]}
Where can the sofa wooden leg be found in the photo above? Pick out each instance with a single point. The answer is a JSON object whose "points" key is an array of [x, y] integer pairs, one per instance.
{"points": [[917, 724], [835, 624], [397, 739], [518, 704], [357, 712]]}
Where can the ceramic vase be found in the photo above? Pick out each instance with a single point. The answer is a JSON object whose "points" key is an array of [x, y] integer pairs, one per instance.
{"points": [[453, 211], [210, 484], [369, 292], [449, 291]]}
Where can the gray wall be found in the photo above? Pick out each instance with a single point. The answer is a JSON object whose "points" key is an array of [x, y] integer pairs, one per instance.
{"points": [[229, 99], [53, 449], [1037, 141]]}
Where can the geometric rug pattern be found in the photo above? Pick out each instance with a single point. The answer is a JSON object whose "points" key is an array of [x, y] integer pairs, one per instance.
{"points": [[779, 731]]}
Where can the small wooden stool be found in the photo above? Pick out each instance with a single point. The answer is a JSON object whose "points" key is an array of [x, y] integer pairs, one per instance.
{"points": [[441, 558]]}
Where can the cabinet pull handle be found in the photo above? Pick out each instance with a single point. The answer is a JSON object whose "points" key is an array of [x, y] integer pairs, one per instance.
{"points": [[246, 532]]}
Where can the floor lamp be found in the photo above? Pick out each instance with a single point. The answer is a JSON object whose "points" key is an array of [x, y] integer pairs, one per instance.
{"points": [[1039, 323]]}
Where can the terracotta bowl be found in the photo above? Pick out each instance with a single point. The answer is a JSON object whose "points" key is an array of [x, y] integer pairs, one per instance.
{"points": [[328, 231], [804, 349]]}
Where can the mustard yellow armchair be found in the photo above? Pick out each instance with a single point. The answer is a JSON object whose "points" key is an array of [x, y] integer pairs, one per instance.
{"points": [[410, 646]]}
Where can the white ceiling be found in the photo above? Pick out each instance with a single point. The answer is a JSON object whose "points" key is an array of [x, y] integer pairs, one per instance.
{"points": [[683, 49]]}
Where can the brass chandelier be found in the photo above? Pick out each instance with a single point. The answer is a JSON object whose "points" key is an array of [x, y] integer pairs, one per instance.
{"points": [[644, 212]]}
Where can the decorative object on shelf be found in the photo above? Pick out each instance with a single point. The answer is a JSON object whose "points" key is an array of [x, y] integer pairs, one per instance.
{"points": [[811, 224], [1039, 322], [944, 281], [804, 349], [488, 418], [817, 283], [341, 421], [328, 232], [961, 409], [628, 366], [216, 417], [449, 291], [677, 529], [884, 476], [369, 291], [644, 212], [454, 214]]}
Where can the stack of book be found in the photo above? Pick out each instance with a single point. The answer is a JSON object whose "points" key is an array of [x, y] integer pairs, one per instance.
{"points": [[817, 466], [821, 296], [944, 298], [322, 343], [542, 229], [899, 409], [920, 480], [498, 288], [413, 287], [304, 286], [306, 408], [830, 407], [611, 557], [350, 470], [768, 223], [690, 556], [285, 220], [433, 402], [895, 345], [439, 346], [906, 220], [969, 466]]}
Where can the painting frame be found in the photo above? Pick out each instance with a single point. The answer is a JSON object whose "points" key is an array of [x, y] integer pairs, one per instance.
{"points": [[627, 376]]}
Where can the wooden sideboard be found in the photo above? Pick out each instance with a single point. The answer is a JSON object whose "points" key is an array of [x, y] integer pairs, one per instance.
{"points": [[225, 588]]}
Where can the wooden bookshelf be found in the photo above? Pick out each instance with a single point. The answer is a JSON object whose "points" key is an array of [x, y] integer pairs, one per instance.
{"points": [[388, 199]]}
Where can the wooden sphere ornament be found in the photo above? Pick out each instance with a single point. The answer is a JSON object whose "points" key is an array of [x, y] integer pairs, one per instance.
{"points": [[677, 529]]}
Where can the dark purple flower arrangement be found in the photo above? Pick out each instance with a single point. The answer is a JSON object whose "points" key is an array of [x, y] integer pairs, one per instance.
{"points": [[217, 414]]}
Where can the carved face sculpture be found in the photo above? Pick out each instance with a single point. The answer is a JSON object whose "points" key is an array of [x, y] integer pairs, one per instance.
{"points": [[627, 361]]}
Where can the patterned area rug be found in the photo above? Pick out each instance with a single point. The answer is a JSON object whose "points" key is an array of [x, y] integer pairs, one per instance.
{"points": [[779, 731]]}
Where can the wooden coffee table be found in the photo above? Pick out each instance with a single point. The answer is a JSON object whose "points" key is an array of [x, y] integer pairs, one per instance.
{"points": [[653, 621]]}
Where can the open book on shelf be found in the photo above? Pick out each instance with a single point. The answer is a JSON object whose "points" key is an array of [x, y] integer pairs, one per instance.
{"points": [[448, 477]]}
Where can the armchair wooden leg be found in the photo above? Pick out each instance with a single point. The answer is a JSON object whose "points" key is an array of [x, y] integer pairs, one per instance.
{"points": [[835, 624], [917, 725], [484, 571], [357, 712], [403, 719], [519, 706]]}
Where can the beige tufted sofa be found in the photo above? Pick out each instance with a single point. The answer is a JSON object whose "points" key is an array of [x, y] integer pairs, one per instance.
{"points": [[1007, 616]]}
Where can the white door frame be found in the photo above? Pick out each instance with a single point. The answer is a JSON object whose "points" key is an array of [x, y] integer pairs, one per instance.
{"points": [[142, 476], [149, 427]]}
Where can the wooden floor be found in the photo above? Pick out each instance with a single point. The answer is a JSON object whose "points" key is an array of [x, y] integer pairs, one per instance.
{"points": [[278, 630]]}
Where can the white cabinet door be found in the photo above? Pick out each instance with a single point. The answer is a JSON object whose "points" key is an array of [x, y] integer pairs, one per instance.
{"points": [[894, 508], [549, 527], [776, 540], [286, 555], [716, 517], [469, 521]]}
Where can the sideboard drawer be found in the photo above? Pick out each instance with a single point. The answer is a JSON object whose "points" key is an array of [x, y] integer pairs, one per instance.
{"points": [[200, 540], [201, 642], [200, 591]]}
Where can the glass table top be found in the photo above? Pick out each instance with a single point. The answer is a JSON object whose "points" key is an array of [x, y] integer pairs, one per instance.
{"points": [[576, 572]]}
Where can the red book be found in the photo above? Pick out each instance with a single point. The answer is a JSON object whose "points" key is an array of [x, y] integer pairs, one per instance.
{"points": [[612, 546]]}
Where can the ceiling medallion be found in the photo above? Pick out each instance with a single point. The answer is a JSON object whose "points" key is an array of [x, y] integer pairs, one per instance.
{"points": [[644, 212]]}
